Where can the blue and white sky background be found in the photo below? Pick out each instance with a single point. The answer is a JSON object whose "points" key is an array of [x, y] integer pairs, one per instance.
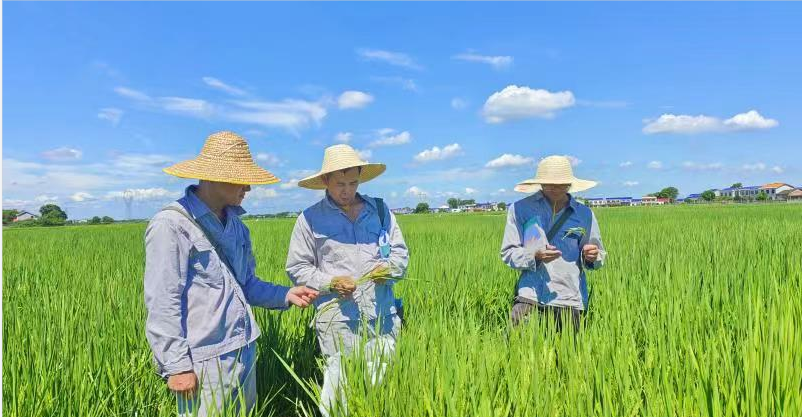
{"points": [[458, 99]]}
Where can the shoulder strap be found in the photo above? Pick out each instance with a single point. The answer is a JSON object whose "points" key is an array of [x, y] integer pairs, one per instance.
{"points": [[558, 224], [380, 209], [220, 253]]}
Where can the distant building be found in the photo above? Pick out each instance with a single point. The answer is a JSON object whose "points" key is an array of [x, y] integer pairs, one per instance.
{"points": [[774, 190], [794, 195], [609, 201], [403, 210], [25, 216]]}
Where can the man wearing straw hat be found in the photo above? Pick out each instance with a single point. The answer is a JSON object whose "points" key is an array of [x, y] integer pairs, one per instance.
{"points": [[200, 282], [349, 247], [552, 239]]}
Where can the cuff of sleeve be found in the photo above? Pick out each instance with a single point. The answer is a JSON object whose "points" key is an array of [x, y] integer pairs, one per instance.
{"points": [[182, 365], [284, 295]]}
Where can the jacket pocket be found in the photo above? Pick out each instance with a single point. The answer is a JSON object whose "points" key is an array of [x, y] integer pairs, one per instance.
{"points": [[204, 264]]}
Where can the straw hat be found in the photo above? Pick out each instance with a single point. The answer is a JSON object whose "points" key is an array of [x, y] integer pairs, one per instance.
{"points": [[225, 157], [339, 157], [554, 169]]}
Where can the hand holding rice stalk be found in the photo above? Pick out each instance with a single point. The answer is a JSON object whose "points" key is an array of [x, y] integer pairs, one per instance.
{"points": [[578, 231]]}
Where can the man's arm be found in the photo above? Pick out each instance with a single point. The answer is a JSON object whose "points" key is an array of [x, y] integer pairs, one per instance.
{"points": [[399, 253], [258, 292], [301, 261], [592, 244], [165, 281], [513, 252]]}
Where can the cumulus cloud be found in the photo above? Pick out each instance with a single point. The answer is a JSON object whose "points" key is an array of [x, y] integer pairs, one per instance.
{"points": [[343, 137], [62, 154], [354, 100], [388, 137], [625, 164], [262, 193], [574, 160], [509, 160], [415, 191], [689, 125], [364, 154], [268, 159], [629, 183], [82, 196], [469, 191], [436, 153], [514, 102], [655, 165]]}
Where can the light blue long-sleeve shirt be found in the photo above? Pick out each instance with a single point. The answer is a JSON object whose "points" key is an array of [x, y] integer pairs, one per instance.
{"points": [[561, 282], [198, 308], [325, 244]]}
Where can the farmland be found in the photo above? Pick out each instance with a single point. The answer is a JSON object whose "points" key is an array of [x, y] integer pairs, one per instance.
{"points": [[696, 313]]}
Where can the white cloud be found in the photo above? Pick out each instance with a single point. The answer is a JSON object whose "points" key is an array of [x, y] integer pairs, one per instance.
{"points": [[286, 185], [62, 154], [393, 58], [509, 160], [365, 154], [268, 159], [514, 102], [187, 106], [132, 94], [414, 191], [497, 62], [630, 183], [343, 137], [262, 193], [469, 191], [655, 165], [693, 166], [354, 100], [111, 114], [81, 196], [44, 198], [574, 160], [625, 164], [405, 83], [759, 166], [388, 139], [436, 153], [141, 162], [777, 169], [215, 83], [750, 120], [289, 114], [144, 194], [686, 124], [458, 103]]}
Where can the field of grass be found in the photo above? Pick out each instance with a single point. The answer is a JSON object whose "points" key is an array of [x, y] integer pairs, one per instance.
{"points": [[698, 312]]}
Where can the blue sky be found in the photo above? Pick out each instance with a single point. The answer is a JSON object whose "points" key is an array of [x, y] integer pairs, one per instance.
{"points": [[99, 97]]}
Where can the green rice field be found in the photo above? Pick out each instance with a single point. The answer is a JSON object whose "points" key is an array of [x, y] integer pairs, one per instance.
{"points": [[697, 312]]}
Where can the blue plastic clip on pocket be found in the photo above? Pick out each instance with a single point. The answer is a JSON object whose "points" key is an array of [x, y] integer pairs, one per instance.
{"points": [[384, 244]]}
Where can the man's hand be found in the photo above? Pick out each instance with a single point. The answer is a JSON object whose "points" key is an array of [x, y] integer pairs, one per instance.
{"points": [[184, 383], [547, 255], [590, 253], [301, 296], [343, 286]]}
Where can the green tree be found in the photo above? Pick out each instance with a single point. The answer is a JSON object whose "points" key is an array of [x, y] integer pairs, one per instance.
{"points": [[708, 195], [94, 220], [502, 206], [453, 202], [736, 185], [422, 208], [107, 220], [9, 216], [466, 202], [762, 196], [52, 215]]}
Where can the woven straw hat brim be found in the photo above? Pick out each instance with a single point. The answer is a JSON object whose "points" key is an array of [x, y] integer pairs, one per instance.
{"points": [[200, 168], [369, 172], [533, 185]]}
